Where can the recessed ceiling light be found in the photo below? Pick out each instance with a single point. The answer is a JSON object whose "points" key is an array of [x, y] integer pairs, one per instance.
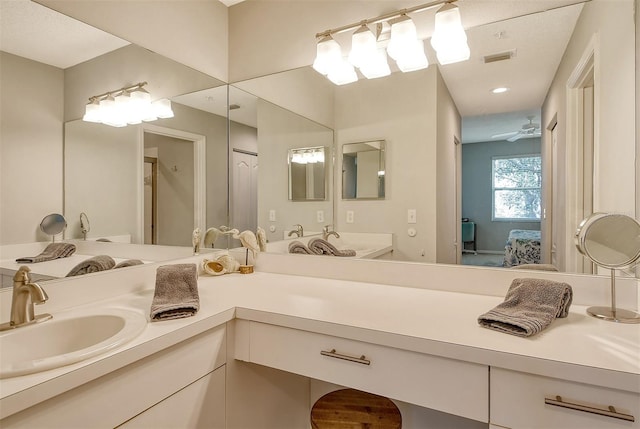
{"points": [[500, 90]]}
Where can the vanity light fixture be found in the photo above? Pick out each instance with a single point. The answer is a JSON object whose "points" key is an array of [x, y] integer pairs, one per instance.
{"points": [[368, 52], [126, 106]]}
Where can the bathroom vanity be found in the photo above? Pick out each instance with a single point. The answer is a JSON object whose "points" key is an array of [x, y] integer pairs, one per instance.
{"points": [[262, 338]]}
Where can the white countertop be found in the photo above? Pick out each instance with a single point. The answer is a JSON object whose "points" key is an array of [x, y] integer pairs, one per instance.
{"points": [[579, 348]]}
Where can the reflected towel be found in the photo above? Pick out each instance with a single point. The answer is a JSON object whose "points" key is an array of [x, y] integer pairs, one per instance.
{"points": [[128, 263], [298, 247], [92, 265], [51, 252], [176, 294], [539, 267], [320, 246], [529, 307]]}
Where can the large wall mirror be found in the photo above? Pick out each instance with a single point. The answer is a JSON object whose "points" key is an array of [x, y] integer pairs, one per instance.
{"points": [[423, 116], [419, 115]]}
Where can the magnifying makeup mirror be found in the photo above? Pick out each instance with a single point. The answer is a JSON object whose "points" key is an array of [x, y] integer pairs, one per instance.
{"points": [[53, 224], [611, 241]]}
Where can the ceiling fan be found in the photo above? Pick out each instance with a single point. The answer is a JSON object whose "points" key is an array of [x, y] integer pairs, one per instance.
{"points": [[529, 129]]}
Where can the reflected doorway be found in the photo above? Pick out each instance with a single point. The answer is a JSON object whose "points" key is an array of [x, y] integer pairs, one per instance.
{"points": [[173, 186]]}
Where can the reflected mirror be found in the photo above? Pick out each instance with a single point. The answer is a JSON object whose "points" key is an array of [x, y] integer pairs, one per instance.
{"points": [[363, 171], [307, 178]]}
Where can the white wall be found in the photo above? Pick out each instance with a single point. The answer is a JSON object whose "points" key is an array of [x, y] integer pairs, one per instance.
{"points": [[400, 109], [448, 130], [31, 113], [615, 166], [194, 33]]}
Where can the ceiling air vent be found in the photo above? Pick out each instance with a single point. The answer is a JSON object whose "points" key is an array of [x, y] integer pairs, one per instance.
{"points": [[502, 56]]}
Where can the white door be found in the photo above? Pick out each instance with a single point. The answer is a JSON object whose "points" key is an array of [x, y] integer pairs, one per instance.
{"points": [[244, 192]]}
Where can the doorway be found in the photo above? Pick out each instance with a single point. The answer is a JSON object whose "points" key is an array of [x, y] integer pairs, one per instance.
{"points": [[150, 199], [172, 203]]}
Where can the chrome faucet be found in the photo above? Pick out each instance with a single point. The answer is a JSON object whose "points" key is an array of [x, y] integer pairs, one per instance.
{"points": [[299, 231], [25, 295], [326, 233]]}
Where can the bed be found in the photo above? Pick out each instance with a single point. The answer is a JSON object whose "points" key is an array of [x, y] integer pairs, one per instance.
{"points": [[522, 247]]}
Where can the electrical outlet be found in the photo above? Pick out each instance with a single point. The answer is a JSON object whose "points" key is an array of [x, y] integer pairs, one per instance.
{"points": [[349, 216], [320, 216], [411, 216], [272, 215]]}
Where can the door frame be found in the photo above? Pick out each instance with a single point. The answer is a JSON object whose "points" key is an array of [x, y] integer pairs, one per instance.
{"points": [[587, 69]]}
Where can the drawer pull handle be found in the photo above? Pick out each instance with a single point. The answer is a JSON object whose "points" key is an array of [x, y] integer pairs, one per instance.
{"points": [[609, 412], [332, 353]]}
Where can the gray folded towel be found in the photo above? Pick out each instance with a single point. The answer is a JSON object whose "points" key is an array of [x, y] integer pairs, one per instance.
{"points": [[298, 247], [92, 265], [51, 252], [539, 267], [128, 263], [529, 307], [320, 246], [176, 293]]}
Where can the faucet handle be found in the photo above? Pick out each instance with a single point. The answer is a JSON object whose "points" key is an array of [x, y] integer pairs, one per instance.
{"points": [[22, 275]]}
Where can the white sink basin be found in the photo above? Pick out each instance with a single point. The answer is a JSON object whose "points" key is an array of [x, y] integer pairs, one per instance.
{"points": [[69, 337]]}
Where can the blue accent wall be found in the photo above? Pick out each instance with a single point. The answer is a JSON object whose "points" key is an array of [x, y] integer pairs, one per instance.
{"points": [[476, 189]]}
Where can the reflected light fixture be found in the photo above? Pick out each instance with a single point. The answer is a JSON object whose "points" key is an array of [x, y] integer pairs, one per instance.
{"points": [[126, 106], [368, 53], [307, 156]]}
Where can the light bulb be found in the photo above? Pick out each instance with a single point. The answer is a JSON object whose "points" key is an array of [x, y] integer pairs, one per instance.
{"points": [[449, 39], [403, 33], [363, 47], [343, 73], [92, 112], [378, 67], [328, 55]]}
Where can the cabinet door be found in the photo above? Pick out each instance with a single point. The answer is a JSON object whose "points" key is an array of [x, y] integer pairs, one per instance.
{"points": [[518, 401], [199, 405]]}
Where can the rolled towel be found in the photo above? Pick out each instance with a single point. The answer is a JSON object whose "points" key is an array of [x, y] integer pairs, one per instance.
{"points": [[92, 265], [51, 252], [298, 247], [128, 263], [176, 295], [539, 267], [529, 307], [320, 246]]}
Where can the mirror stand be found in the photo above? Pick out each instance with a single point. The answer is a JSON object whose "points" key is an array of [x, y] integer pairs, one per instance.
{"points": [[612, 313], [611, 241]]}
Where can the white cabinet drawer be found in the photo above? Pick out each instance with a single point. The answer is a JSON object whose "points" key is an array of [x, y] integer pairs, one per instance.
{"points": [[447, 385], [518, 401], [199, 405]]}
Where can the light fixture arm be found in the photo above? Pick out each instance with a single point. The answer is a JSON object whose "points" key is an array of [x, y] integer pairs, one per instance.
{"points": [[384, 17], [125, 88]]}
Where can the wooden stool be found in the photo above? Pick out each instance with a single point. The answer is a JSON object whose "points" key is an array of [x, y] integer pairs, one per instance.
{"points": [[353, 409]]}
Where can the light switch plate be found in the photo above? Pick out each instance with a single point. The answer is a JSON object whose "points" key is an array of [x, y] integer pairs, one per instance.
{"points": [[350, 216], [272, 215], [411, 216], [320, 216]]}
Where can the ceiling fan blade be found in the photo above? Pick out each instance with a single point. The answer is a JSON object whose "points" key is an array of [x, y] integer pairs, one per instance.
{"points": [[497, 136], [514, 138]]}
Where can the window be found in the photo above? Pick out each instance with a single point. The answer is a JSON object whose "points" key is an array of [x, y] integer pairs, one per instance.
{"points": [[516, 187]]}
